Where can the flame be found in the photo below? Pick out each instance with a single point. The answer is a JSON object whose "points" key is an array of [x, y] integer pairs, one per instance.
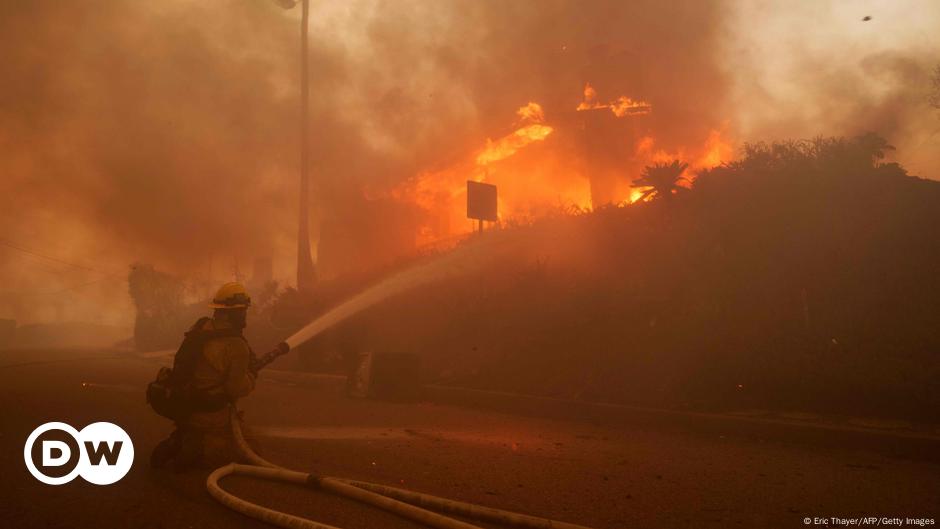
{"points": [[717, 150], [508, 145], [622, 106], [540, 170], [532, 112], [635, 195], [590, 99]]}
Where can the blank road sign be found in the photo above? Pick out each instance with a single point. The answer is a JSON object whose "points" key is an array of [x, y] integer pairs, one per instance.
{"points": [[481, 201]]}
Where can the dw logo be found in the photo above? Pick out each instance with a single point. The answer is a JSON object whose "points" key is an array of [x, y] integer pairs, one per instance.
{"points": [[101, 453]]}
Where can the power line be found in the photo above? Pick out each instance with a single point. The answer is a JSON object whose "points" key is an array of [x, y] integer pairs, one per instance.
{"points": [[107, 275], [33, 253]]}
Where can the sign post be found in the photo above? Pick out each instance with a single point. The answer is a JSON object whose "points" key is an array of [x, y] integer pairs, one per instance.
{"points": [[481, 202]]}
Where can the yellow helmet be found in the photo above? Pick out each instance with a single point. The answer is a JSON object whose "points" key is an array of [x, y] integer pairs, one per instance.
{"points": [[231, 296]]}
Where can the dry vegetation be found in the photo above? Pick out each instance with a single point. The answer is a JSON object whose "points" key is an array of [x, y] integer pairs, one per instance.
{"points": [[800, 277]]}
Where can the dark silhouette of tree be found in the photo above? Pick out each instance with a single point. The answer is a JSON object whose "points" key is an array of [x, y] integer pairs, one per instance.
{"points": [[661, 180], [873, 147], [826, 158]]}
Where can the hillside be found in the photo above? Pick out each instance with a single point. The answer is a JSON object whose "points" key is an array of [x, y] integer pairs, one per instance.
{"points": [[802, 276]]}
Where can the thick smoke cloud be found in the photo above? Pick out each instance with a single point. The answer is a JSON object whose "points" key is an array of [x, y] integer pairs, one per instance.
{"points": [[819, 68], [167, 132]]}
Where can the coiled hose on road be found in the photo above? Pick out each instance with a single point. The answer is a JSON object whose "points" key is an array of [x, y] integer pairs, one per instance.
{"points": [[405, 503]]}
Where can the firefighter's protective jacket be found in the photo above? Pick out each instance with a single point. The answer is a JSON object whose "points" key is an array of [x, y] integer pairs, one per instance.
{"points": [[223, 365]]}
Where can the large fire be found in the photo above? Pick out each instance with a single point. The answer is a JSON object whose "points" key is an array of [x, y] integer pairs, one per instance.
{"points": [[547, 164]]}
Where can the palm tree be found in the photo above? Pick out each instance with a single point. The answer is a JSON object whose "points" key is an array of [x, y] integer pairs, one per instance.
{"points": [[662, 179]]}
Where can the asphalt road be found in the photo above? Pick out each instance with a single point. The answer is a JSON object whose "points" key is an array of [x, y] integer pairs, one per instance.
{"points": [[599, 474]]}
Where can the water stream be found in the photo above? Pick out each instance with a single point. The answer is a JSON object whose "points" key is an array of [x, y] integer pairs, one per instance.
{"points": [[459, 261]]}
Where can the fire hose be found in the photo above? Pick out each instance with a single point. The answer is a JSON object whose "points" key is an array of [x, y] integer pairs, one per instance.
{"points": [[408, 504]]}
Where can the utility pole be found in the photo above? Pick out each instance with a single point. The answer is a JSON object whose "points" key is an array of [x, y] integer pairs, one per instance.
{"points": [[306, 272]]}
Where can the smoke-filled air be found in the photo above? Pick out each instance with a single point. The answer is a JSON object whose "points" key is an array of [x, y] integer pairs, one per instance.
{"points": [[167, 133], [470, 263]]}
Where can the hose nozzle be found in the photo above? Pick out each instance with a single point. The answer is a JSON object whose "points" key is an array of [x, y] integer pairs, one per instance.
{"points": [[280, 350]]}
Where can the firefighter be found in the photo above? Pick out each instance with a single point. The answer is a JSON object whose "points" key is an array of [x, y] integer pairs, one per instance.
{"points": [[220, 374]]}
